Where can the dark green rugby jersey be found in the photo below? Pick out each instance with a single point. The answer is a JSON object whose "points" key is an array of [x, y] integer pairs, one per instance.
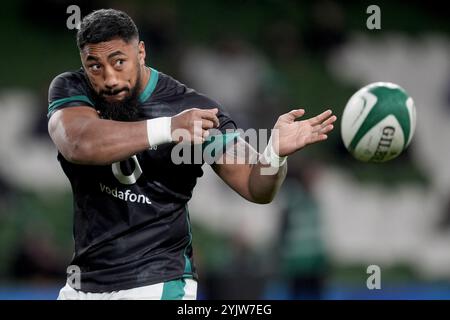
{"points": [[131, 220]]}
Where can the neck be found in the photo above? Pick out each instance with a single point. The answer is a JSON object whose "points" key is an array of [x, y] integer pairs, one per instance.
{"points": [[145, 77]]}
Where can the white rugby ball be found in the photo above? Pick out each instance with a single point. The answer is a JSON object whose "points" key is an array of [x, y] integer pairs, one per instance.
{"points": [[378, 122]]}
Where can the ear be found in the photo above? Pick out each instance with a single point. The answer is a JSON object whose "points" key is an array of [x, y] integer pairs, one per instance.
{"points": [[82, 59], [141, 53]]}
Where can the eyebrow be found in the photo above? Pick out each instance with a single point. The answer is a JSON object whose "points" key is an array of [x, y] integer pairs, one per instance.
{"points": [[111, 55], [115, 53], [91, 58]]}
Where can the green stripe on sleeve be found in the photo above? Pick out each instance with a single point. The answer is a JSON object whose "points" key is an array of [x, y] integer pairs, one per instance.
{"points": [[216, 143], [57, 103], [220, 140]]}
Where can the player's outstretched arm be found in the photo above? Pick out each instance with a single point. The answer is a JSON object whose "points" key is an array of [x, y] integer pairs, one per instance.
{"points": [[83, 137], [258, 181]]}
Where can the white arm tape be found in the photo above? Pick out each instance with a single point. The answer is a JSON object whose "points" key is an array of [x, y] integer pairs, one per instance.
{"points": [[159, 131], [271, 156]]}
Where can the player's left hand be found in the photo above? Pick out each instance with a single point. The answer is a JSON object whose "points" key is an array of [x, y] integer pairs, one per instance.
{"points": [[294, 135]]}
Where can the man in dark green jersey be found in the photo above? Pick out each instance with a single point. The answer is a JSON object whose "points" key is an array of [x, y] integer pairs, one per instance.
{"points": [[116, 123]]}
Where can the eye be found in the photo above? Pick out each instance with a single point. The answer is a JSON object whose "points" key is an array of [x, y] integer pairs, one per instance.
{"points": [[120, 62], [94, 67]]}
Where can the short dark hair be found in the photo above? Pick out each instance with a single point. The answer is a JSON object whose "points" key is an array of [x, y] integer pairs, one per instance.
{"points": [[104, 25]]}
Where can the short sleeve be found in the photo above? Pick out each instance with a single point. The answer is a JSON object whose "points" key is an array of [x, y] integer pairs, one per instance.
{"points": [[68, 89], [217, 143], [226, 123]]}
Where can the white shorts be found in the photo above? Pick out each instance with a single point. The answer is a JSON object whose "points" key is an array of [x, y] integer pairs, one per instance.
{"points": [[181, 289]]}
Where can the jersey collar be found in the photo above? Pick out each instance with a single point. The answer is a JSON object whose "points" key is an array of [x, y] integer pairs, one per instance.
{"points": [[150, 87]]}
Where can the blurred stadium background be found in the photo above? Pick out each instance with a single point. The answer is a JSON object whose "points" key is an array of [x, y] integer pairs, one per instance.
{"points": [[333, 217]]}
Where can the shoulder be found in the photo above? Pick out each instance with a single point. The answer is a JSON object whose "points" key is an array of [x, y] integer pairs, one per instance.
{"points": [[68, 79], [68, 84], [182, 97], [169, 88], [68, 89]]}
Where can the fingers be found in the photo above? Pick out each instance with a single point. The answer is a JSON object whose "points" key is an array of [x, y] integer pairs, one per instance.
{"points": [[200, 136], [321, 137], [321, 126], [195, 123], [320, 118], [317, 138], [326, 126], [326, 129], [208, 124], [292, 115], [211, 115], [329, 121], [209, 120], [297, 113]]}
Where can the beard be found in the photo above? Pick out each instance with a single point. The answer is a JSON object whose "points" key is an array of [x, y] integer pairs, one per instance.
{"points": [[126, 109]]}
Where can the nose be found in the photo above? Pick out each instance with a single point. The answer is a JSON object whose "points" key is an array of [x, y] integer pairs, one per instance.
{"points": [[111, 80]]}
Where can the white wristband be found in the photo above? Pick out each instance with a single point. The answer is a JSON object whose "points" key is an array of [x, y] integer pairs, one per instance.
{"points": [[159, 131], [271, 156]]}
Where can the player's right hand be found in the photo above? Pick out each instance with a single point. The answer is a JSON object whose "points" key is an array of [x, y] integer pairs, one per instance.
{"points": [[192, 125]]}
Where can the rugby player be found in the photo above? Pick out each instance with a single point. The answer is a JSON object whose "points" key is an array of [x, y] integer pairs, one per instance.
{"points": [[115, 122]]}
